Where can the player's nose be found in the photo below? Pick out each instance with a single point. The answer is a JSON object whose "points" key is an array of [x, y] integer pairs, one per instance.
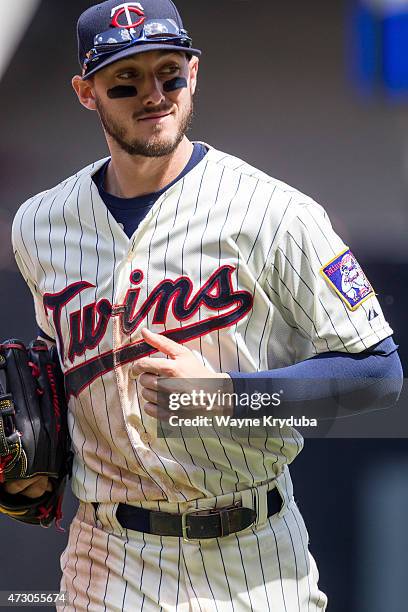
{"points": [[151, 91]]}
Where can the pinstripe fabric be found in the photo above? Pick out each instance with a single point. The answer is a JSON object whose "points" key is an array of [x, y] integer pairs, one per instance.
{"points": [[265, 567], [223, 217], [223, 212]]}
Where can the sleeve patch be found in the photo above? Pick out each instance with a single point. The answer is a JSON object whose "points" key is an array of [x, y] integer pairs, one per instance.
{"points": [[345, 276]]}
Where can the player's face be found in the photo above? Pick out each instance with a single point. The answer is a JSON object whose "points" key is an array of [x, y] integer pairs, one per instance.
{"points": [[146, 119]]}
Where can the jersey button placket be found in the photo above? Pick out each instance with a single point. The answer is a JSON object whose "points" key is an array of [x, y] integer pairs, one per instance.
{"points": [[145, 438]]}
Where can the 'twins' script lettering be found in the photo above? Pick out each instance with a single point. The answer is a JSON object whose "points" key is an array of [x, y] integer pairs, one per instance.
{"points": [[87, 326]]}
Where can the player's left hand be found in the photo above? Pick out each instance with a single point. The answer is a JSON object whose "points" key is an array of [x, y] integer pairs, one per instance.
{"points": [[181, 364]]}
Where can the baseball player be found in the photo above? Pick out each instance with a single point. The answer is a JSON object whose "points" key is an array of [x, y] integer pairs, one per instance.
{"points": [[171, 259]]}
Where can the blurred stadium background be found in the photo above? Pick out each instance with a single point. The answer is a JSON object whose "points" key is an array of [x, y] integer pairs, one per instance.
{"points": [[314, 93]]}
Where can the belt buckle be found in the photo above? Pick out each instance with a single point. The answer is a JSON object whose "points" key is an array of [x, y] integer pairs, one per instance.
{"points": [[185, 527], [220, 511]]}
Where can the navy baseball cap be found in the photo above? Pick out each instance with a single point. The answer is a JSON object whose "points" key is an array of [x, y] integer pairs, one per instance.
{"points": [[111, 30]]}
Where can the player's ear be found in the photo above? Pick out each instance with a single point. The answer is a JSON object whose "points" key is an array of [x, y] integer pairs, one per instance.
{"points": [[193, 68], [85, 92]]}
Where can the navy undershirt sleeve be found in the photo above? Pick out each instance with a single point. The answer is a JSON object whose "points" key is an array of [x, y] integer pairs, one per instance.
{"points": [[366, 380]]}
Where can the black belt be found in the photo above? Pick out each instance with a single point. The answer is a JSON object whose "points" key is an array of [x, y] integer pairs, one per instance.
{"points": [[195, 524]]}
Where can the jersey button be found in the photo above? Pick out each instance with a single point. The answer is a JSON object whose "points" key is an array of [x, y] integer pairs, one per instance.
{"points": [[134, 421], [145, 438]]}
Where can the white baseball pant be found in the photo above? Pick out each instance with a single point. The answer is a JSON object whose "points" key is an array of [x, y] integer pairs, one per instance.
{"points": [[265, 567]]}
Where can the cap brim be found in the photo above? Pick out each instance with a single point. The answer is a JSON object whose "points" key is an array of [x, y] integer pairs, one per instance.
{"points": [[140, 49]]}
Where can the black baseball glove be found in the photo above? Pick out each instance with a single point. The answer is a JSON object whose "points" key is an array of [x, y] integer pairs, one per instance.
{"points": [[34, 437]]}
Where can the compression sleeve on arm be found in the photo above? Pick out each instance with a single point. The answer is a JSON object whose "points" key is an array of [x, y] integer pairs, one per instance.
{"points": [[370, 379]]}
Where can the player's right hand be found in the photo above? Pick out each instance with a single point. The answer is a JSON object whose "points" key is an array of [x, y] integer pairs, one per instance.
{"points": [[30, 487]]}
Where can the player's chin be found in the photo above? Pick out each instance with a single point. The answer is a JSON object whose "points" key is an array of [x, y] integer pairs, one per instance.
{"points": [[161, 144], [159, 133]]}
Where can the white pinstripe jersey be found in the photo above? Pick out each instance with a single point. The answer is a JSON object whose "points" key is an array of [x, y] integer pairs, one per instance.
{"points": [[228, 259]]}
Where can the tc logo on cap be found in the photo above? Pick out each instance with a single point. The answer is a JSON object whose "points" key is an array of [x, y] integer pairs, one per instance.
{"points": [[127, 9]]}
